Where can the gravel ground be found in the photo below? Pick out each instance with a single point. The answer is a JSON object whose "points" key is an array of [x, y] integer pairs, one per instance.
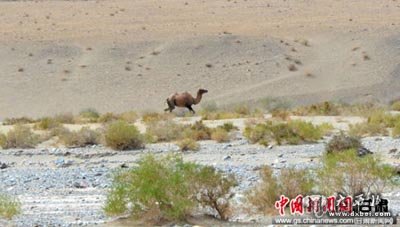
{"points": [[67, 187]]}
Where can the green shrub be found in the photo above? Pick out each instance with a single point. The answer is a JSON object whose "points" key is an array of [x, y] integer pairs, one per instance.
{"points": [[19, 120], [122, 136], [9, 207], [291, 182], [220, 135], [396, 106], [293, 132], [167, 188], [82, 138], [21, 136], [164, 131], [88, 115], [342, 142], [347, 173], [188, 144], [46, 123]]}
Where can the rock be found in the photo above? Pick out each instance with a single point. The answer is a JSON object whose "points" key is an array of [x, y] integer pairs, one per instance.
{"points": [[62, 163], [226, 146], [3, 165], [124, 165], [280, 156], [81, 184], [270, 147], [394, 150], [227, 157], [362, 151]]}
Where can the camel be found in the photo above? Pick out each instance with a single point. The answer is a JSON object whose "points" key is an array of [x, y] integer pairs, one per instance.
{"points": [[184, 99]]}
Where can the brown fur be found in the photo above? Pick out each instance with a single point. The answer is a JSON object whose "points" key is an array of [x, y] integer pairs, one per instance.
{"points": [[184, 100]]}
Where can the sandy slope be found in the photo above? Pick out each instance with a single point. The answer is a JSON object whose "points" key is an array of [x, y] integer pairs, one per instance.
{"points": [[62, 56]]}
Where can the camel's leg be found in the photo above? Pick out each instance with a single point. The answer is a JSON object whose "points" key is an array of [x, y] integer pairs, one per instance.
{"points": [[170, 106], [191, 109]]}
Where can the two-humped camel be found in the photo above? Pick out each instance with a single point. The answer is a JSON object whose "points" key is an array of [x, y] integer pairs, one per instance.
{"points": [[184, 99]]}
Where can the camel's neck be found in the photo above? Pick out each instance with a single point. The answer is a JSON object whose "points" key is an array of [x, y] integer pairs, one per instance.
{"points": [[198, 98]]}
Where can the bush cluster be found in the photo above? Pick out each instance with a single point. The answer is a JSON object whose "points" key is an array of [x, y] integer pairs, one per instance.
{"points": [[20, 136], [168, 189], [120, 135], [9, 206], [292, 132]]}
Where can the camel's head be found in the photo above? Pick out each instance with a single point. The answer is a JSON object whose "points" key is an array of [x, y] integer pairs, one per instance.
{"points": [[202, 91]]}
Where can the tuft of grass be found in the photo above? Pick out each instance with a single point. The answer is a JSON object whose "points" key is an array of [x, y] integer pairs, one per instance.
{"points": [[353, 174], [211, 112], [188, 144], [82, 138], [20, 136], [198, 131], [228, 126], [121, 136], [9, 207], [325, 108], [342, 142], [46, 123], [281, 114], [396, 130], [168, 189], [220, 135], [367, 129]]}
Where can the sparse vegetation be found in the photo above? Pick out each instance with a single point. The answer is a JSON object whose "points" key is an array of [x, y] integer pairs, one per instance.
{"points": [[65, 118], [220, 135], [353, 174], [291, 182], [188, 144], [121, 136], [395, 106], [212, 112], [20, 136], [107, 118], [46, 123], [151, 117], [168, 189], [82, 138], [343, 142], [164, 131], [198, 131], [18, 120], [293, 132], [89, 115], [129, 116], [9, 207]]}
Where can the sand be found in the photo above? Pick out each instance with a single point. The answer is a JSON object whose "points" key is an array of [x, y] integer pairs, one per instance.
{"points": [[120, 55]]}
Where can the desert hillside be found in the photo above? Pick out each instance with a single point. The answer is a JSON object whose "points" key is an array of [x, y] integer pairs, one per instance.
{"points": [[119, 55]]}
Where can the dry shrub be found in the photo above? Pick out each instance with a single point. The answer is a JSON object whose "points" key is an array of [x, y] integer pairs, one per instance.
{"points": [[82, 138], [281, 114], [220, 135], [325, 108], [368, 129], [228, 126], [198, 131], [47, 123], [188, 144], [119, 135], [396, 130], [107, 118], [152, 117], [163, 131], [65, 118], [20, 136], [129, 116], [343, 142], [291, 182], [353, 174]]}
